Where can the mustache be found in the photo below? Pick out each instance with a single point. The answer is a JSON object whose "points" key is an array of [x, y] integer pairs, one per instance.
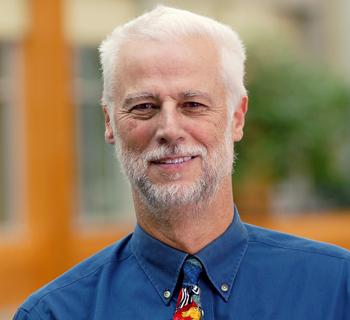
{"points": [[175, 150]]}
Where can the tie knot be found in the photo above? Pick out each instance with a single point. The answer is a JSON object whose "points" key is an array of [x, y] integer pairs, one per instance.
{"points": [[192, 269]]}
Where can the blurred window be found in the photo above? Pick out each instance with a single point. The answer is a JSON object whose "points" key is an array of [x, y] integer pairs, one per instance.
{"points": [[5, 67], [2, 165], [104, 193]]}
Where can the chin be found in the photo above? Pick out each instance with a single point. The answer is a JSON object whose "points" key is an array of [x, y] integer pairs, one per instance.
{"points": [[175, 194]]}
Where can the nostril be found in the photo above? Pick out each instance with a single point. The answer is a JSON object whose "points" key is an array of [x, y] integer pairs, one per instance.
{"points": [[169, 140], [163, 141]]}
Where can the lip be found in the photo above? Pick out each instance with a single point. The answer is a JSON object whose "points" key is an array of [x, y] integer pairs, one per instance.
{"points": [[173, 161]]}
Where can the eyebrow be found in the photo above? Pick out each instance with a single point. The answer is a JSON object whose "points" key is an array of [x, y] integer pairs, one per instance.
{"points": [[195, 93], [138, 96]]}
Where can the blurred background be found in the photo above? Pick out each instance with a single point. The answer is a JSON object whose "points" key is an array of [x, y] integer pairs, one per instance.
{"points": [[62, 196]]}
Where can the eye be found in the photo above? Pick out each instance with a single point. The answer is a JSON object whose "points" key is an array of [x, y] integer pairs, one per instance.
{"points": [[192, 105], [143, 108]]}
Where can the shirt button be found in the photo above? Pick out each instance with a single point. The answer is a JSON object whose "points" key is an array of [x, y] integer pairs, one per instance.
{"points": [[167, 294], [224, 287]]}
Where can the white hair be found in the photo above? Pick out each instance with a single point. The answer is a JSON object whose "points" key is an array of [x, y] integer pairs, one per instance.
{"points": [[165, 23]]}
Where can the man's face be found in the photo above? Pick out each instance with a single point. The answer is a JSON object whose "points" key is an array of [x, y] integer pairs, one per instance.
{"points": [[174, 137]]}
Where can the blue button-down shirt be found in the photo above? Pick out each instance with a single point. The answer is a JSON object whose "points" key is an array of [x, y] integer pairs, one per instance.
{"points": [[249, 273]]}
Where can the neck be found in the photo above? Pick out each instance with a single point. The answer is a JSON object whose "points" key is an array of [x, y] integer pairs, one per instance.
{"points": [[191, 227]]}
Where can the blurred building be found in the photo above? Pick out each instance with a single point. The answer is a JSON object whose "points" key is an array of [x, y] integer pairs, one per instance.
{"points": [[62, 195]]}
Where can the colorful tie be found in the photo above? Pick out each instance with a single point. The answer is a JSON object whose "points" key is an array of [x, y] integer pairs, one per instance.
{"points": [[188, 304]]}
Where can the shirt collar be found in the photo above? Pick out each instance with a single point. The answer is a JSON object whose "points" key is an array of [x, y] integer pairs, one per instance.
{"points": [[161, 263], [221, 259]]}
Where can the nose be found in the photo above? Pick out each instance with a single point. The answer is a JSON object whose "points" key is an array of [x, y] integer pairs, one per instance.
{"points": [[170, 127]]}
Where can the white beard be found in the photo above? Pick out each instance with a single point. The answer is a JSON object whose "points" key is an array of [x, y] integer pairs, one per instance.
{"points": [[162, 197]]}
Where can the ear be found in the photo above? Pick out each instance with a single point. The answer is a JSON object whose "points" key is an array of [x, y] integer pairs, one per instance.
{"points": [[239, 119], [109, 133]]}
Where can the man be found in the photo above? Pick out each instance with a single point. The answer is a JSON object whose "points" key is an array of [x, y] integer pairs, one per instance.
{"points": [[174, 104]]}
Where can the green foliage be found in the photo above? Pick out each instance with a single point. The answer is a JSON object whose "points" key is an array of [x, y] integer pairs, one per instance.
{"points": [[297, 124]]}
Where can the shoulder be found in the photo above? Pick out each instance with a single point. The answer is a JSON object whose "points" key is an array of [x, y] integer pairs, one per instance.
{"points": [[293, 244], [309, 276], [288, 244], [82, 278], [296, 261]]}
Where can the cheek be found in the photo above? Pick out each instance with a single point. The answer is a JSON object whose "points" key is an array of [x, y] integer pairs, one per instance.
{"points": [[131, 127], [134, 134], [209, 130], [207, 134]]}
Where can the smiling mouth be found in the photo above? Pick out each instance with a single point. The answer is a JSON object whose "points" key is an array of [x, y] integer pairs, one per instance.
{"points": [[177, 160]]}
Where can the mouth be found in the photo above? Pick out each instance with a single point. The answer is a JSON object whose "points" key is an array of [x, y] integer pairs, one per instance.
{"points": [[173, 160]]}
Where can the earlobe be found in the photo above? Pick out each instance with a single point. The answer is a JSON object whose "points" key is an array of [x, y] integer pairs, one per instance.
{"points": [[239, 119], [109, 133]]}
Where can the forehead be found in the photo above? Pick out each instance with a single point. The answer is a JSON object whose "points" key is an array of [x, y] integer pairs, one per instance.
{"points": [[189, 59], [183, 49]]}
